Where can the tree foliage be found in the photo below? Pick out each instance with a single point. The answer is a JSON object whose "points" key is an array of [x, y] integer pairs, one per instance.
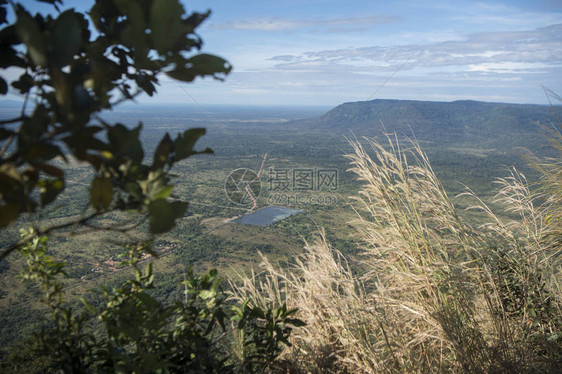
{"points": [[130, 331], [73, 66]]}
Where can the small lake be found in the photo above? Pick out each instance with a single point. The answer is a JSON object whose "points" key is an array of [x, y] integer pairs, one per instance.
{"points": [[266, 216]]}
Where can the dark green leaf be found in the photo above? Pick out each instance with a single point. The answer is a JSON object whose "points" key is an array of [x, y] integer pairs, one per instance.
{"points": [[133, 34], [33, 128], [145, 84], [3, 86], [82, 99], [52, 2], [30, 33], [162, 153], [5, 133], [49, 169], [96, 15], [147, 300], [67, 37], [24, 83], [101, 193], [184, 143], [126, 142], [42, 151], [166, 24], [9, 213], [63, 92], [10, 179], [9, 57], [162, 193], [195, 19], [134, 190], [295, 322], [163, 214], [49, 190], [201, 65], [86, 139], [3, 14], [8, 37]]}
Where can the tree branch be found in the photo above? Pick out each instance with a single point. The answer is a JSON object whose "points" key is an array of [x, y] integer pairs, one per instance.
{"points": [[45, 231], [6, 145]]}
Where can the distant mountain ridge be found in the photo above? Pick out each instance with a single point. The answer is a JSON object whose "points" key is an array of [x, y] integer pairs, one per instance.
{"points": [[458, 123]]}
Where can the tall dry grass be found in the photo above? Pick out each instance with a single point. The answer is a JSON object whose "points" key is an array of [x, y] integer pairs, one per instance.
{"points": [[330, 299], [438, 295]]}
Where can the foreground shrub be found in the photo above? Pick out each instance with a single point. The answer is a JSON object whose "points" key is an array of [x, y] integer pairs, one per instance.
{"points": [[128, 330]]}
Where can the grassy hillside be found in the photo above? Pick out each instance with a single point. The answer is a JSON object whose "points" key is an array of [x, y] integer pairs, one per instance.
{"points": [[455, 124]]}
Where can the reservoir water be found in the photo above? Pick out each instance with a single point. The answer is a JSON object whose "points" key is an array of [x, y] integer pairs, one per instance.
{"points": [[266, 216]]}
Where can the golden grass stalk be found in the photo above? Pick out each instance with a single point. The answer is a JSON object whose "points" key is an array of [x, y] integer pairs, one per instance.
{"points": [[330, 299], [420, 255]]}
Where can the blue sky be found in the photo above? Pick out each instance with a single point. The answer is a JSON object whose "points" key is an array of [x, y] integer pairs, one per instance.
{"points": [[323, 52]]}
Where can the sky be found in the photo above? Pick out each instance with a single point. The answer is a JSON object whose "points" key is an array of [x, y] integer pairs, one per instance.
{"points": [[325, 52]]}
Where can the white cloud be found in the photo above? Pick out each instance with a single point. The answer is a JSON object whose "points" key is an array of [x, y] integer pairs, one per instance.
{"points": [[494, 15], [517, 50], [510, 67], [275, 24]]}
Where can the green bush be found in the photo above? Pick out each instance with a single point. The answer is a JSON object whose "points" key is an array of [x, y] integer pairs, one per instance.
{"points": [[130, 331]]}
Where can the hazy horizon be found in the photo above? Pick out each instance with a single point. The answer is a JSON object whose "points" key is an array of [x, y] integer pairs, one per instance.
{"points": [[16, 102], [320, 52]]}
